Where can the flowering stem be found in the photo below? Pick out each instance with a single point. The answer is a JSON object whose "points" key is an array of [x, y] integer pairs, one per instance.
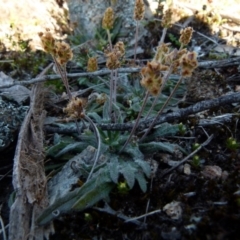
{"points": [[164, 32], [97, 154], [160, 111], [161, 88], [109, 39], [63, 75], [115, 86], [136, 42], [137, 121], [111, 93]]}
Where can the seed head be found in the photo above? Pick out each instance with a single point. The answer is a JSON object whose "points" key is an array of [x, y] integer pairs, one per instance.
{"points": [[113, 61], [119, 48], [188, 63], [62, 52], [92, 65], [152, 77], [47, 41], [108, 19], [139, 10], [167, 18], [186, 36], [75, 108], [114, 56], [162, 50]]}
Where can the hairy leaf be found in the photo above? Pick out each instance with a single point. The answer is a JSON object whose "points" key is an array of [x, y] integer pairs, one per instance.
{"points": [[114, 169], [134, 152], [145, 166], [92, 197], [76, 147], [141, 181], [163, 130], [158, 146], [128, 172], [65, 204]]}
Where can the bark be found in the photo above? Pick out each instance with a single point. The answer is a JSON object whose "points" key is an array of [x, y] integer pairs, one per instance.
{"points": [[165, 117], [29, 180]]}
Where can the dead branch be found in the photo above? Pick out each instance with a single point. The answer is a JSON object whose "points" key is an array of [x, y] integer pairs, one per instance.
{"points": [[204, 64], [166, 117], [186, 158], [29, 180]]}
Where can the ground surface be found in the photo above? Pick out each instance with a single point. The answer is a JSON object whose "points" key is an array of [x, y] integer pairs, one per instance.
{"points": [[208, 195]]}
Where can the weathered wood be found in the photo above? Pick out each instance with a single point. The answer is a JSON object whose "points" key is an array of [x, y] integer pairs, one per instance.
{"points": [[165, 117], [29, 180], [203, 64]]}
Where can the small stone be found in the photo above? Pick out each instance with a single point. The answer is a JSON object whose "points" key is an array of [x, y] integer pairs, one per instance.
{"points": [[5, 80], [187, 169], [212, 172], [173, 210], [16, 93]]}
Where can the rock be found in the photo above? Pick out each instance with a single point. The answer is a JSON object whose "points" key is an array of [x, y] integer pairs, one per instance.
{"points": [[11, 117], [173, 210], [88, 16], [17, 93], [23, 19]]}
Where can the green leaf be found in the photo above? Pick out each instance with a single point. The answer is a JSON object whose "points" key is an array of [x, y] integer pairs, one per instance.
{"points": [[54, 150], [128, 172], [113, 169], [141, 181], [134, 152], [76, 147], [56, 138], [65, 204], [62, 205], [136, 107], [105, 113], [92, 197], [95, 116], [163, 130], [145, 166], [158, 146]]}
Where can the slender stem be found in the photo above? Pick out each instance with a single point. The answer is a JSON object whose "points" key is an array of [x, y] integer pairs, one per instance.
{"points": [[112, 77], [161, 88], [190, 155], [160, 111], [136, 42], [97, 154], [66, 82], [164, 32], [111, 93], [3, 229], [78, 128], [137, 121], [143, 216], [63, 75], [115, 86], [109, 39]]}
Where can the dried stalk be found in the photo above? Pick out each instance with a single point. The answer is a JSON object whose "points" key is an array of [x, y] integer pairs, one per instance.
{"points": [[29, 180]]}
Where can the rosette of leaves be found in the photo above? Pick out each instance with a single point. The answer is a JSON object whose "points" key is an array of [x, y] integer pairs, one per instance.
{"points": [[129, 165]]}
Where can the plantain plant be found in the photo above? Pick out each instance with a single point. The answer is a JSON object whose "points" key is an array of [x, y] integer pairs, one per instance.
{"points": [[117, 155]]}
